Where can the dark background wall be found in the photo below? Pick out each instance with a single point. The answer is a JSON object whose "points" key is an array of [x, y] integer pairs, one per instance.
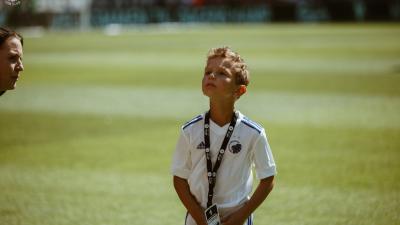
{"points": [[103, 12]]}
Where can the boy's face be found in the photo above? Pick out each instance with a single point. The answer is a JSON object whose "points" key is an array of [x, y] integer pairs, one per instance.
{"points": [[219, 81], [10, 63]]}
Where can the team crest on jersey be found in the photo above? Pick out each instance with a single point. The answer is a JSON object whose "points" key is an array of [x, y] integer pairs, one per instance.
{"points": [[201, 145], [235, 147]]}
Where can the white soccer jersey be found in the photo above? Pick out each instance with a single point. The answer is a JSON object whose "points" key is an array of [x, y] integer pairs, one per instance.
{"points": [[247, 147]]}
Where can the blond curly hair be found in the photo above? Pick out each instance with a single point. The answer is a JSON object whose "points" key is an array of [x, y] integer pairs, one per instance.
{"points": [[239, 67]]}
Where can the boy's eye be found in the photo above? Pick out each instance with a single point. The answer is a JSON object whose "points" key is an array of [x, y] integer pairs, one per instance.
{"points": [[221, 74]]}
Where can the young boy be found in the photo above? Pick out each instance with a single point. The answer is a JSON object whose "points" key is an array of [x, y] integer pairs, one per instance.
{"points": [[213, 160]]}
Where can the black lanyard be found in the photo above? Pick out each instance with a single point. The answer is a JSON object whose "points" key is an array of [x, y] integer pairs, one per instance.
{"points": [[212, 172]]}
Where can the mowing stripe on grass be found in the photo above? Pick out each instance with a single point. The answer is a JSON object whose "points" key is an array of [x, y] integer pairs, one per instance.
{"points": [[313, 63], [289, 108]]}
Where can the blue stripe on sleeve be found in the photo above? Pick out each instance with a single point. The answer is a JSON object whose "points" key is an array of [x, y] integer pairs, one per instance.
{"points": [[251, 126], [194, 120], [253, 123]]}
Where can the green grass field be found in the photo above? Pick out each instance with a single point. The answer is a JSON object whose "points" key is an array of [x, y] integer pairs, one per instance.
{"points": [[87, 136]]}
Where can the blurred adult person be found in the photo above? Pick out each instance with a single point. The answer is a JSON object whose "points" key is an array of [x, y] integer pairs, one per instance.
{"points": [[10, 59]]}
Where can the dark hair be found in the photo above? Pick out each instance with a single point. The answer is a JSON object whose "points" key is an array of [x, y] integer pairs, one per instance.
{"points": [[5, 33]]}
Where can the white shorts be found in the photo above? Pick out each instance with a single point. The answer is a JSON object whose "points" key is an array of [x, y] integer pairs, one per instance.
{"points": [[190, 221]]}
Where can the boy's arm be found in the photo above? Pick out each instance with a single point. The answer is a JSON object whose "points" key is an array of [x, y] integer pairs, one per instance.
{"points": [[260, 194], [196, 211]]}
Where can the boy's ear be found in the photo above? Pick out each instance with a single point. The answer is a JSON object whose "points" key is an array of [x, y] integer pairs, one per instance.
{"points": [[241, 90]]}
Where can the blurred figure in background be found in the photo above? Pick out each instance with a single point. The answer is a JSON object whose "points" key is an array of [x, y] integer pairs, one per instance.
{"points": [[10, 59]]}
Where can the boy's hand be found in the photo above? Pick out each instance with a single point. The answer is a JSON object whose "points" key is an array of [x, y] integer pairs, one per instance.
{"points": [[236, 218], [189, 201], [239, 217]]}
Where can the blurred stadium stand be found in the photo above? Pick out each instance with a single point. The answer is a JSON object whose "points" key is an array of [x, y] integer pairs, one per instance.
{"points": [[94, 13]]}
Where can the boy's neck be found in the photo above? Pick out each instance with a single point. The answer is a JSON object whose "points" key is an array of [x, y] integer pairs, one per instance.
{"points": [[221, 113]]}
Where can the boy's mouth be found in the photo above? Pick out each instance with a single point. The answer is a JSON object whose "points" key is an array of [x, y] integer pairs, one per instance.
{"points": [[210, 85]]}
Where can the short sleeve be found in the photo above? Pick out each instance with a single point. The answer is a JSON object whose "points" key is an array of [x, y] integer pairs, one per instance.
{"points": [[181, 163], [262, 157]]}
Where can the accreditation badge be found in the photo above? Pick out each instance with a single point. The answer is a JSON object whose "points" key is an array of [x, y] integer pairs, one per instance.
{"points": [[212, 215]]}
